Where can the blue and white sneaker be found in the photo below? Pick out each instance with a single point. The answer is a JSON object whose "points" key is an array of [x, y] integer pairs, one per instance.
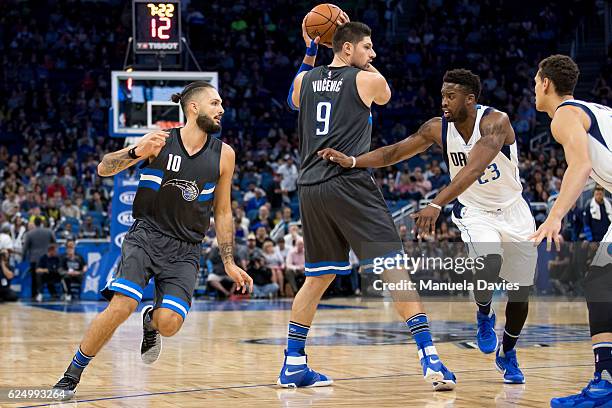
{"points": [[486, 336], [295, 373], [434, 372], [509, 367], [597, 394]]}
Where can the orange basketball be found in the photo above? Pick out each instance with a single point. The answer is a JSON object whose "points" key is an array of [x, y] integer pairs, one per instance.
{"points": [[321, 21]]}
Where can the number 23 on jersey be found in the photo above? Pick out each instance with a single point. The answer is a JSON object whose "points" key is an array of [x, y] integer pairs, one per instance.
{"points": [[491, 173]]}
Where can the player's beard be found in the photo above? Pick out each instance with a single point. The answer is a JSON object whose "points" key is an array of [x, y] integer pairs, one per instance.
{"points": [[460, 116], [365, 66], [207, 124]]}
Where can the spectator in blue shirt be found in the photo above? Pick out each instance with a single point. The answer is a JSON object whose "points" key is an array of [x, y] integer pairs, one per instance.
{"points": [[597, 216]]}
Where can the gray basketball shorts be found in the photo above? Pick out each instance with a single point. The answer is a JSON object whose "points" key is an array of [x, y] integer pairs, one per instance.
{"points": [[344, 212], [173, 264]]}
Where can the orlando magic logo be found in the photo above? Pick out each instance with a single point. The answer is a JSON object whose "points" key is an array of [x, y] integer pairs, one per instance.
{"points": [[189, 189]]}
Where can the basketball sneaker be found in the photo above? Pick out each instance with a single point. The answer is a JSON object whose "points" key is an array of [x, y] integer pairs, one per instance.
{"points": [[598, 393], [509, 367], [441, 378], [151, 345], [486, 336], [65, 388], [296, 373]]}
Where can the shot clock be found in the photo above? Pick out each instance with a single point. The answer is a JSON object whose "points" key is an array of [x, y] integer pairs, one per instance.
{"points": [[156, 27]]}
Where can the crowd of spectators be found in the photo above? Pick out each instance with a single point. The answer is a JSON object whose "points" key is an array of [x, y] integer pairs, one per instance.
{"points": [[601, 92], [55, 93]]}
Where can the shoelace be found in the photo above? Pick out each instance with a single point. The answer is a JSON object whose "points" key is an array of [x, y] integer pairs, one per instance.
{"points": [[586, 389], [150, 337], [513, 362], [484, 325]]}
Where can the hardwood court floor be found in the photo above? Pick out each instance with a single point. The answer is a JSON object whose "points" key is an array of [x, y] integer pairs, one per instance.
{"points": [[231, 357]]}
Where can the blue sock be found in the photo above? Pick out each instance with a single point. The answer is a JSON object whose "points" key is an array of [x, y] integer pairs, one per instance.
{"points": [[419, 327], [296, 337], [79, 362]]}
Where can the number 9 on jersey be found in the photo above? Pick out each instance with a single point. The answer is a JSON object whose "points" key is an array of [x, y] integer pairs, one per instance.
{"points": [[323, 118]]}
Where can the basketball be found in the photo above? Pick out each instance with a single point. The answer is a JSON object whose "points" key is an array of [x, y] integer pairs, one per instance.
{"points": [[321, 21]]}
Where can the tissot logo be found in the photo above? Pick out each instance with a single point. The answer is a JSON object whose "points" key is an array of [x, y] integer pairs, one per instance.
{"points": [[125, 218], [157, 46], [127, 197]]}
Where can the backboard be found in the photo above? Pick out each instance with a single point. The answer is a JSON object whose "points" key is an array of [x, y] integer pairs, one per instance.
{"points": [[141, 100]]}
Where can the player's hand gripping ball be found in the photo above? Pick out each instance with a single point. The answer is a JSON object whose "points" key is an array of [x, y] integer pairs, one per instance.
{"points": [[322, 22]]}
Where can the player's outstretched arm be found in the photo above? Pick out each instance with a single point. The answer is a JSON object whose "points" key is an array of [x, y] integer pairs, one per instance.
{"points": [[428, 134], [224, 221], [495, 130], [147, 147], [569, 130]]}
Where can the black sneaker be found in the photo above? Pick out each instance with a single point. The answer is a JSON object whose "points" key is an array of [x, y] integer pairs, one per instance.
{"points": [[151, 345], [65, 388]]}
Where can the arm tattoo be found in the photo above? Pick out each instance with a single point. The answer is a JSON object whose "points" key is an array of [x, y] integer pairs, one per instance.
{"points": [[226, 250], [426, 127], [113, 163], [493, 135]]}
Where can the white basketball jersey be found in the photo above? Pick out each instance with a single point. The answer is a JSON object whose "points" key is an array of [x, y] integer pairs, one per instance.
{"points": [[499, 186], [600, 140]]}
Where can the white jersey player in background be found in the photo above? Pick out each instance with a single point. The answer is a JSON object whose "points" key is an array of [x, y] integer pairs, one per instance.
{"points": [[495, 221], [585, 131]]}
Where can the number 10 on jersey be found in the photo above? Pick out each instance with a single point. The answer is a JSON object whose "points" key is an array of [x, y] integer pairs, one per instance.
{"points": [[174, 162], [323, 118]]}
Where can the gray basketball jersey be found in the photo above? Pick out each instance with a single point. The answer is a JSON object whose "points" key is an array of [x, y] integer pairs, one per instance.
{"points": [[332, 114], [176, 191]]}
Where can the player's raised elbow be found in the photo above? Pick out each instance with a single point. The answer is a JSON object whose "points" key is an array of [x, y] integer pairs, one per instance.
{"points": [[102, 172], [384, 95]]}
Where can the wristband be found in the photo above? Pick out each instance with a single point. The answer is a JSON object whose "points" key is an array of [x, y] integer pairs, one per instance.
{"points": [[132, 153], [434, 205], [354, 162], [312, 50]]}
